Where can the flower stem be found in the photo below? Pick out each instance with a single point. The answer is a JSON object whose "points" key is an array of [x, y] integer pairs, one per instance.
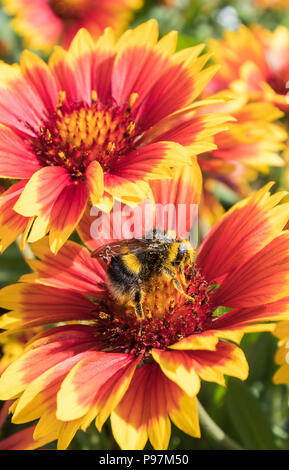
{"points": [[216, 433]]}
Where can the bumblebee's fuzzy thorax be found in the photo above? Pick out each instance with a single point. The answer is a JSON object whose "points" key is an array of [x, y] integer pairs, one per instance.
{"points": [[131, 271]]}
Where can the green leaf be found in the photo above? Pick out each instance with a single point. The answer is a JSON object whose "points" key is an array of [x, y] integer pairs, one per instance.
{"points": [[185, 41], [261, 365], [12, 265], [249, 419]]}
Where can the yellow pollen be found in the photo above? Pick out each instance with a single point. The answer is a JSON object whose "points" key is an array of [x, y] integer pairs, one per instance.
{"points": [[103, 316], [160, 297], [62, 155], [132, 99], [61, 98], [94, 95], [78, 134], [130, 128], [110, 147]]}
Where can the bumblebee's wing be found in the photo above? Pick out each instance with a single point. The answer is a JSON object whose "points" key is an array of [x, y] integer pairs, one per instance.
{"points": [[121, 248]]}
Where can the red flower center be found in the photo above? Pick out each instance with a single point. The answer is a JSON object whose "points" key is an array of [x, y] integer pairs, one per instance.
{"points": [[76, 134], [70, 9], [170, 315]]}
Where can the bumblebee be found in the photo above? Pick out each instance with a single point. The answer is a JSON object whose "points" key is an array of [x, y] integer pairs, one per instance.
{"points": [[134, 262]]}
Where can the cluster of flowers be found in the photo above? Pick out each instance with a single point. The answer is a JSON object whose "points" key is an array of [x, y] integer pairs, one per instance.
{"points": [[128, 119]]}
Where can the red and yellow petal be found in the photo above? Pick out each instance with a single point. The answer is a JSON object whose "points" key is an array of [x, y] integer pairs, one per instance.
{"points": [[62, 70], [137, 57], [112, 393], [195, 132], [11, 223], [94, 181], [88, 227], [125, 190], [20, 103], [39, 397], [150, 162], [102, 373], [24, 440], [102, 65], [51, 348], [178, 367], [58, 203], [175, 89], [185, 367], [182, 193], [227, 359], [16, 159], [79, 56], [66, 213], [247, 318], [261, 280], [155, 399], [182, 409], [244, 230], [73, 269], [42, 190], [203, 340], [129, 424], [36, 304], [38, 75]]}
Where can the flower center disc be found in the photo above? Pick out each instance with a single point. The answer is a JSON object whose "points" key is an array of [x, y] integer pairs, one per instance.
{"points": [[77, 134], [170, 315]]}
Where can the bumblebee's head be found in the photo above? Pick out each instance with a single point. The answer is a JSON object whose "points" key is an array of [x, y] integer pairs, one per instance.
{"points": [[181, 252]]}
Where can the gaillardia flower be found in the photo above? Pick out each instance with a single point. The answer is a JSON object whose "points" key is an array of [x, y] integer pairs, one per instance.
{"points": [[254, 61], [250, 145], [44, 23], [98, 122], [144, 372]]}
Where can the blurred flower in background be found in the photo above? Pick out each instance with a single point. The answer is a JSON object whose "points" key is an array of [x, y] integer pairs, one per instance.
{"points": [[100, 121], [282, 357], [44, 23], [275, 4], [255, 62], [251, 144], [12, 347]]}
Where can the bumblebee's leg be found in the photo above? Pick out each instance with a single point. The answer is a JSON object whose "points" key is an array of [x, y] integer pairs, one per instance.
{"points": [[171, 274], [181, 270], [138, 300], [181, 265]]}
